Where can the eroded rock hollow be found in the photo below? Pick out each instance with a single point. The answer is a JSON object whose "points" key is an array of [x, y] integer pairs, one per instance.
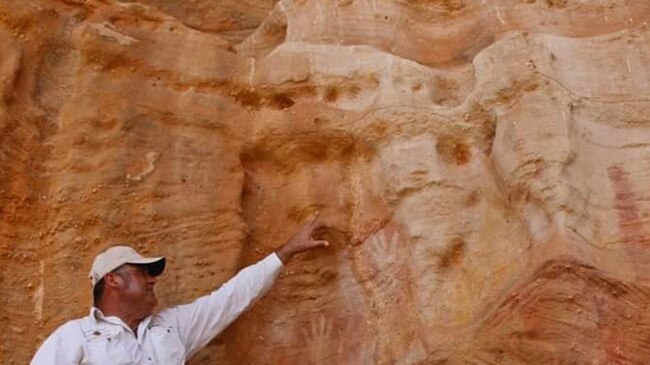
{"points": [[483, 167]]}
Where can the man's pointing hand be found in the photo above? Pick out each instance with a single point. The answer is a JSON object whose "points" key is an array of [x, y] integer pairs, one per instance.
{"points": [[302, 240]]}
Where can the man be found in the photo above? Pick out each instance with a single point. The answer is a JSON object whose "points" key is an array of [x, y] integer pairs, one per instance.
{"points": [[121, 328]]}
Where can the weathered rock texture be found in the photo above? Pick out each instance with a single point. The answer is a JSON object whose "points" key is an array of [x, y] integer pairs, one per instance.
{"points": [[483, 167]]}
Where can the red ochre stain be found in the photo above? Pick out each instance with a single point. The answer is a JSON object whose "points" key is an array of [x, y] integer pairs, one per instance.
{"points": [[331, 93], [625, 202], [454, 254], [453, 150]]}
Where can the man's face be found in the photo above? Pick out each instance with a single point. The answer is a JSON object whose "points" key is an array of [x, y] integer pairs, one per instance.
{"points": [[136, 288]]}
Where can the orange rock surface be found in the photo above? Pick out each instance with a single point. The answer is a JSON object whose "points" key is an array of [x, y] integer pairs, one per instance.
{"points": [[482, 166]]}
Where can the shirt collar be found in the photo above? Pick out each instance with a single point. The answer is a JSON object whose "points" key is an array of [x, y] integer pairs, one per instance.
{"points": [[97, 316]]}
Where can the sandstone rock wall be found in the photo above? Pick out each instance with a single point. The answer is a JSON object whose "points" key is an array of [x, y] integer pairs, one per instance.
{"points": [[483, 167]]}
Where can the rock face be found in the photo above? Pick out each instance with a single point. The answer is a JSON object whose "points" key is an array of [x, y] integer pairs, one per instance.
{"points": [[483, 167]]}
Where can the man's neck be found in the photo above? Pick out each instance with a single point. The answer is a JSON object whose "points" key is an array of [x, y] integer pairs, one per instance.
{"points": [[131, 320]]}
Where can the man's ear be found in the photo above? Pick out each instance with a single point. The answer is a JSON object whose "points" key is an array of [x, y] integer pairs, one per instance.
{"points": [[112, 280]]}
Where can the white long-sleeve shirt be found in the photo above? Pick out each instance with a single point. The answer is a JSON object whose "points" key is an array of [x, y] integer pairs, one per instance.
{"points": [[169, 337]]}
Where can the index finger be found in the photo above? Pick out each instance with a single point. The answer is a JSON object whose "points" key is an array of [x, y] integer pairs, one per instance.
{"points": [[312, 221]]}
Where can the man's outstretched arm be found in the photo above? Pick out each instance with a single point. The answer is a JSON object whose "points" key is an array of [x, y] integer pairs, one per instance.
{"points": [[200, 321]]}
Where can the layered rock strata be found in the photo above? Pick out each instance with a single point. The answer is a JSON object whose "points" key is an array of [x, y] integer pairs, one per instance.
{"points": [[482, 167]]}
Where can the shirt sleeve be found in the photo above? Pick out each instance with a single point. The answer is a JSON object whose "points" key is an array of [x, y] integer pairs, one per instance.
{"points": [[62, 347], [203, 319]]}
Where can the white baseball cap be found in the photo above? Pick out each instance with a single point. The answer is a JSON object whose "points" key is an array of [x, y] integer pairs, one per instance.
{"points": [[117, 256]]}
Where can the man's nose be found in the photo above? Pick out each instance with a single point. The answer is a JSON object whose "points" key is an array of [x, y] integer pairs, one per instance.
{"points": [[151, 279]]}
